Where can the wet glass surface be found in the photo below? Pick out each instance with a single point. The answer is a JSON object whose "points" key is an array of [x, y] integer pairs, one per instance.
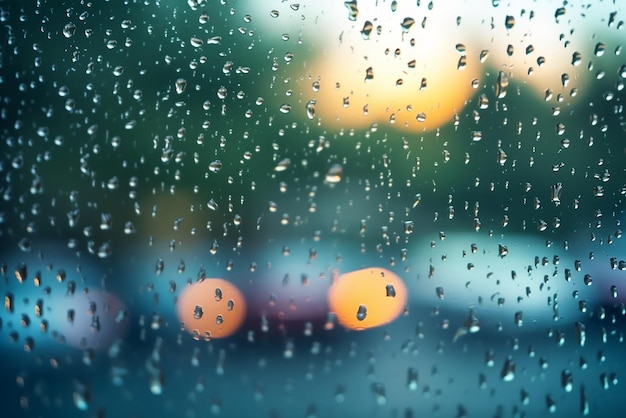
{"points": [[312, 209]]}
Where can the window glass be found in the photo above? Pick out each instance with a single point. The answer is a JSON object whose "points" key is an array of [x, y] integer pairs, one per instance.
{"points": [[375, 208]]}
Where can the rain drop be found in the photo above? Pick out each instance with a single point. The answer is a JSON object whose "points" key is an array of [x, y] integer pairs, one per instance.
{"points": [[361, 312]]}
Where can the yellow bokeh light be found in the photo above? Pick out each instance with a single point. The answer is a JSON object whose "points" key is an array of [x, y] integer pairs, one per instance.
{"points": [[416, 66], [367, 298], [346, 100], [212, 308], [413, 78]]}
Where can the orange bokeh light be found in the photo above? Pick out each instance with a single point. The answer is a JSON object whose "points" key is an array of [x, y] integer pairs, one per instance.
{"points": [[359, 104], [212, 308], [367, 298]]}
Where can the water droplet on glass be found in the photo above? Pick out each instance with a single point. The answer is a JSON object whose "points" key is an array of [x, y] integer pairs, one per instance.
{"points": [[508, 370], [378, 389], [334, 173], [367, 29], [567, 380], [584, 403], [353, 10], [69, 30], [156, 383], [501, 157], [502, 83], [24, 245], [462, 63], [212, 204], [283, 165], [310, 109], [160, 265], [81, 396], [412, 378], [215, 166], [550, 404], [105, 250], [509, 22], [407, 23], [215, 40], [361, 312], [558, 13]]}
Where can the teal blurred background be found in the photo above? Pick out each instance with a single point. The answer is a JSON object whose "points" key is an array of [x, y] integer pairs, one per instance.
{"points": [[94, 132]]}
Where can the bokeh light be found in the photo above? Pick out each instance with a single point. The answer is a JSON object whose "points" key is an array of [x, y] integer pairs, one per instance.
{"points": [[367, 298], [211, 308]]}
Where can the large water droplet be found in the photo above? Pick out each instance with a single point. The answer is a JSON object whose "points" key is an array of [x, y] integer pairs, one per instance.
{"points": [[407, 23], [509, 22], [367, 29], [334, 173], [361, 312], [502, 82], [353, 10], [215, 166], [310, 108], [69, 30], [508, 370], [181, 85]]}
